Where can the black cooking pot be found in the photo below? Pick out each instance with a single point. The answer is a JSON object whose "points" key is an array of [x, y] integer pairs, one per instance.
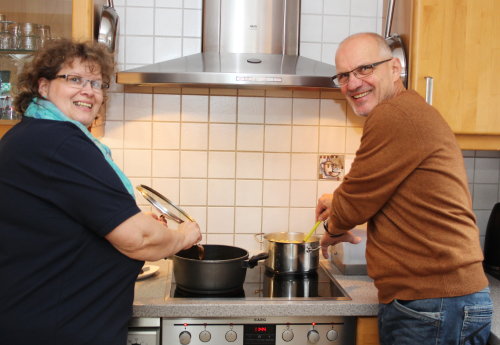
{"points": [[223, 269]]}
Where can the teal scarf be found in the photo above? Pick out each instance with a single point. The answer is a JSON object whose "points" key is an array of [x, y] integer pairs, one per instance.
{"points": [[46, 110]]}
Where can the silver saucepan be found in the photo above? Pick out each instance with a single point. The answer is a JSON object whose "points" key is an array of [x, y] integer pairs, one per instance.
{"points": [[288, 253]]}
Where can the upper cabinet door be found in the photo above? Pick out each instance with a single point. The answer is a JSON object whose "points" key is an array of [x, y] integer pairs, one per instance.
{"points": [[456, 43]]}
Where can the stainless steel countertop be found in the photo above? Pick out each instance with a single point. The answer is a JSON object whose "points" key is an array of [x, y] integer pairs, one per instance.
{"points": [[150, 301]]}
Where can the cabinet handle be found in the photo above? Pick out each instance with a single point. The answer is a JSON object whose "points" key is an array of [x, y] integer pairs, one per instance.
{"points": [[429, 89]]}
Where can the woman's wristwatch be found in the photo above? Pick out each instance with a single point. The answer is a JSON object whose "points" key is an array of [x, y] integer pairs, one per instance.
{"points": [[325, 226]]}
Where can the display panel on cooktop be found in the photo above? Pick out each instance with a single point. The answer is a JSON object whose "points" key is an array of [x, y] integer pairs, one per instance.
{"points": [[261, 284]]}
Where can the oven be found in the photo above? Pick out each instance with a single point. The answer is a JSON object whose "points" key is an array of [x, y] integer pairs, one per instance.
{"points": [[259, 330], [261, 285]]}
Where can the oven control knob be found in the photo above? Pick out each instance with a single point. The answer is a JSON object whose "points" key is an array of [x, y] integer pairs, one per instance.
{"points": [[231, 336], [287, 335], [185, 337], [205, 336], [313, 336], [332, 335]]}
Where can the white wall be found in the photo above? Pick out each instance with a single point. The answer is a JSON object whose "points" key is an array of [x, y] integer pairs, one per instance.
{"points": [[244, 165]]}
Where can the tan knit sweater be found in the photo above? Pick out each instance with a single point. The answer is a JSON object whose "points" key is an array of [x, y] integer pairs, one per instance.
{"points": [[408, 181]]}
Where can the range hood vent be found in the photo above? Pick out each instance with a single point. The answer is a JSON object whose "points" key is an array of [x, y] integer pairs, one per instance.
{"points": [[245, 44]]}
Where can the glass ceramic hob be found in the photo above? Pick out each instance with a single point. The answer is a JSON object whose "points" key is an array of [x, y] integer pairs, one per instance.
{"points": [[261, 284]]}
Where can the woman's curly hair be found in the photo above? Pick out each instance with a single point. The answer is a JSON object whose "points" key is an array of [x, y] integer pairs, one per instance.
{"points": [[48, 61]]}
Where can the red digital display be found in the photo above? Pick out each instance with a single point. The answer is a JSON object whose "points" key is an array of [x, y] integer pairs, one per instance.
{"points": [[260, 329]]}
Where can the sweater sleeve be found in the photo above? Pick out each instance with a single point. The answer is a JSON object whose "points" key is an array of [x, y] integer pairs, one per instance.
{"points": [[391, 149]]}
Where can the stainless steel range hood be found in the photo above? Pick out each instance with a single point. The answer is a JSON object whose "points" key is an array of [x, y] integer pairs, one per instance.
{"points": [[246, 43]]}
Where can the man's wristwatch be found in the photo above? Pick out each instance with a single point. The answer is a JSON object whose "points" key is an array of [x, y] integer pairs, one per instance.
{"points": [[325, 226]]}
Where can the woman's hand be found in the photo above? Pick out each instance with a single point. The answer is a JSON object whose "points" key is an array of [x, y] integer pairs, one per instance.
{"points": [[191, 232]]}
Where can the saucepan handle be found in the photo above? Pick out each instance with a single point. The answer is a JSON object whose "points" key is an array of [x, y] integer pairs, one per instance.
{"points": [[254, 260], [259, 237], [310, 250]]}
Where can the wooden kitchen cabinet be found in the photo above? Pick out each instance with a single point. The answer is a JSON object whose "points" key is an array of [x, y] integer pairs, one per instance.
{"points": [[367, 331], [77, 19], [456, 43]]}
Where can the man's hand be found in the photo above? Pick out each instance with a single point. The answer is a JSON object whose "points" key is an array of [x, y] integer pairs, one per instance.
{"points": [[327, 241], [324, 207]]}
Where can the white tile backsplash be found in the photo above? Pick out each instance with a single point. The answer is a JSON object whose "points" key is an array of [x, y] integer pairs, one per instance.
{"points": [[192, 23], [220, 220], [137, 163], [135, 57], [249, 192], [249, 165], [277, 166], [305, 111], [140, 21], [332, 112], [222, 137], [221, 192], [250, 138], [251, 109], [278, 138], [166, 135], [279, 110], [223, 109], [304, 166], [194, 164], [165, 163], [221, 164], [248, 220], [194, 108], [166, 107], [194, 136], [335, 29], [332, 139], [138, 135], [242, 165], [168, 22], [364, 8], [138, 107], [311, 27], [303, 194], [337, 7], [486, 170], [167, 48], [193, 192], [276, 193], [305, 139]]}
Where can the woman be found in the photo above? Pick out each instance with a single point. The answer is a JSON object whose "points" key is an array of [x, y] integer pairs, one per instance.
{"points": [[72, 238]]}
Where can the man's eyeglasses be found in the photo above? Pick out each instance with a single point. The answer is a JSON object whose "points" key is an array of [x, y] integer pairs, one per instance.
{"points": [[78, 82], [359, 72]]}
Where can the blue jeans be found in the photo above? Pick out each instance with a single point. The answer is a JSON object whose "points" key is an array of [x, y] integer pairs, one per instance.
{"points": [[463, 320]]}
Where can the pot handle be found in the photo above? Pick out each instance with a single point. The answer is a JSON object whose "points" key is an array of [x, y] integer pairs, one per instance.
{"points": [[254, 260], [259, 237], [309, 249]]}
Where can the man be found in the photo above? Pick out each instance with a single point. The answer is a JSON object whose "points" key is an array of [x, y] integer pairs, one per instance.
{"points": [[409, 183]]}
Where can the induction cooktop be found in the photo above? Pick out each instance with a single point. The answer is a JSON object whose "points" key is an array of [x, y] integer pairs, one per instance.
{"points": [[261, 284]]}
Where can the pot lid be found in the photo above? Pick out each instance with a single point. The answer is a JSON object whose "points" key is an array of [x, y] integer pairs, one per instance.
{"points": [[164, 205]]}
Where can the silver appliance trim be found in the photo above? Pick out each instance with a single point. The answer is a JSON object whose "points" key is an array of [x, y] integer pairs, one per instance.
{"points": [[281, 330], [245, 43], [273, 70]]}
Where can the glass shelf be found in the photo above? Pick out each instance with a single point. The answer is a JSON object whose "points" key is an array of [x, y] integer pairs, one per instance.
{"points": [[16, 51]]}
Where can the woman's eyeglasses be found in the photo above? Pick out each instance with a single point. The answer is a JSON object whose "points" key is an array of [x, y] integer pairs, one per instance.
{"points": [[78, 82], [359, 72]]}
